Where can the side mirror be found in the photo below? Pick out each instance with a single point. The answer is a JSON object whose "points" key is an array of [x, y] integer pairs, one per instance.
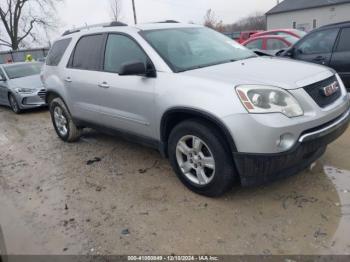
{"points": [[2, 78], [133, 68], [288, 53], [137, 68]]}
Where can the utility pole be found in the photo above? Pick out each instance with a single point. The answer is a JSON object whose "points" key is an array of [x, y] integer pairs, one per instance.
{"points": [[134, 9]]}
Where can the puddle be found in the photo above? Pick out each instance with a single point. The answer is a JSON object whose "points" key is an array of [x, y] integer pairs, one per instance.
{"points": [[341, 180]]}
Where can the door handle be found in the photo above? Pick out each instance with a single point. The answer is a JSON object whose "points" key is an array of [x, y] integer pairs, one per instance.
{"points": [[319, 58], [104, 85], [68, 80]]}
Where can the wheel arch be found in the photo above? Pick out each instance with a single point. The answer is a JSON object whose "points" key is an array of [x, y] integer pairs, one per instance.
{"points": [[50, 95], [174, 116]]}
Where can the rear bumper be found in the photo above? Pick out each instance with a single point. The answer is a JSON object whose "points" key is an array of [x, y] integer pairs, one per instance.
{"points": [[256, 169]]}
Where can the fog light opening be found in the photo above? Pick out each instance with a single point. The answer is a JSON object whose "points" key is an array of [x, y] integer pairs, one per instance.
{"points": [[286, 141]]}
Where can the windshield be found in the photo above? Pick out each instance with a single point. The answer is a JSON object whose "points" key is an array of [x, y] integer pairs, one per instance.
{"points": [[291, 39], [300, 33], [23, 70], [190, 48]]}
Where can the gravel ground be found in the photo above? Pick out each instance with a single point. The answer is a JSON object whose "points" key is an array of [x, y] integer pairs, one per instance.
{"points": [[127, 200]]}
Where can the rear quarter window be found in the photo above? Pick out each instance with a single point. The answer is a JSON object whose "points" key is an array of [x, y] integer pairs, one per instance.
{"points": [[56, 52]]}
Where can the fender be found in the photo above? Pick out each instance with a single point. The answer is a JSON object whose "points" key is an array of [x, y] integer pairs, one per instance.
{"points": [[192, 112]]}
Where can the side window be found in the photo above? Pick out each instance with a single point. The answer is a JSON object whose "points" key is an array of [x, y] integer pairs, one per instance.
{"points": [[344, 41], [255, 44], [56, 52], [318, 42], [88, 53], [275, 44], [2, 75], [121, 49]]}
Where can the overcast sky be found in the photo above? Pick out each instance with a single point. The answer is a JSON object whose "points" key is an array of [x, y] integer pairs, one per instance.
{"points": [[75, 13]]}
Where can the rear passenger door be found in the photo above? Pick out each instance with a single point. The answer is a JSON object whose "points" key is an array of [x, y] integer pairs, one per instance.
{"points": [[341, 57], [82, 77], [127, 102], [317, 47]]}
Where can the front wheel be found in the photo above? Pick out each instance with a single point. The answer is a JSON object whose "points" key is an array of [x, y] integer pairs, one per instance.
{"points": [[200, 158], [14, 105], [63, 122]]}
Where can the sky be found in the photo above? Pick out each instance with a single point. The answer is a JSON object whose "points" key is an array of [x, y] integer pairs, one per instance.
{"points": [[76, 13]]}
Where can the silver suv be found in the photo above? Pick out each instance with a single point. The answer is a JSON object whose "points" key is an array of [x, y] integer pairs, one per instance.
{"points": [[216, 110]]}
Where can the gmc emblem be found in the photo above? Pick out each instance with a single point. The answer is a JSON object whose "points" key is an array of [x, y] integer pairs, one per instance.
{"points": [[330, 90]]}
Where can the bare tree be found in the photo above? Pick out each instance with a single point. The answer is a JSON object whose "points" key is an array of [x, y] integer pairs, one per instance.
{"points": [[25, 20], [116, 9], [210, 19], [255, 21]]}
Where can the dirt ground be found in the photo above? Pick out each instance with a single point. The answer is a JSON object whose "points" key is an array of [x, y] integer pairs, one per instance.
{"points": [[130, 202]]}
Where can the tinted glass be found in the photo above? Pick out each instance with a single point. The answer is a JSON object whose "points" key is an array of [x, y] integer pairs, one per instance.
{"points": [[255, 44], [120, 50], [190, 48], [88, 53], [275, 44], [2, 75], [23, 70], [57, 51], [291, 39], [344, 41], [319, 42]]}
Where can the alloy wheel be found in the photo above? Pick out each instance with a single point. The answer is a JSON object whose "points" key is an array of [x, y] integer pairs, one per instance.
{"points": [[195, 160], [60, 121]]}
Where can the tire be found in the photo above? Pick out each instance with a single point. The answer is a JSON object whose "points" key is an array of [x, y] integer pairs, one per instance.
{"points": [[217, 180], [13, 104], [63, 123]]}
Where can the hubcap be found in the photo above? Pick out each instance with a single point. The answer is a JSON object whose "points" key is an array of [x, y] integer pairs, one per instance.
{"points": [[195, 160], [60, 121]]}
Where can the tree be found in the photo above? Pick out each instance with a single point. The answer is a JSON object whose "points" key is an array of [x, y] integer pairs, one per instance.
{"points": [[116, 9], [210, 19], [255, 21], [26, 20]]}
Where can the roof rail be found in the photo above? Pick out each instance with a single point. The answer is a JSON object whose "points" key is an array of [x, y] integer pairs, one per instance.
{"points": [[87, 27], [169, 21], [116, 23]]}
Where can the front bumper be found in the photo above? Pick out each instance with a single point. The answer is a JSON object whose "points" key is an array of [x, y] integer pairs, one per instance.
{"points": [[256, 169], [34, 100]]}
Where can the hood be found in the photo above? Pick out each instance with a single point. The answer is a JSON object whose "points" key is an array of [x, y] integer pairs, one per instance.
{"points": [[33, 81], [280, 72]]}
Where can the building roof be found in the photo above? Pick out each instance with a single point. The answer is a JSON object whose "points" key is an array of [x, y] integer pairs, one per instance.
{"points": [[294, 5]]}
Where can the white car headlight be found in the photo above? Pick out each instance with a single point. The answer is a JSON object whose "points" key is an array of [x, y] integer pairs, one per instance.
{"points": [[258, 99], [25, 90]]}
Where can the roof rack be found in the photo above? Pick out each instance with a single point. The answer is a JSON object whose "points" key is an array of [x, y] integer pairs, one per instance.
{"points": [[169, 21], [87, 27], [116, 23]]}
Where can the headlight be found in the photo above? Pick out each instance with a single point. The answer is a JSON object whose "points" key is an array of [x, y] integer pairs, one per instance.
{"points": [[25, 90], [265, 99]]}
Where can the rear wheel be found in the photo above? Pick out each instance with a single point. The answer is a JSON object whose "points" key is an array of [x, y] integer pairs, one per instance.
{"points": [[201, 159], [13, 104], [63, 122]]}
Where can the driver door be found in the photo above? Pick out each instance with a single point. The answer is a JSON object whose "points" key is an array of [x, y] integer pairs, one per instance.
{"points": [[126, 102], [317, 47]]}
